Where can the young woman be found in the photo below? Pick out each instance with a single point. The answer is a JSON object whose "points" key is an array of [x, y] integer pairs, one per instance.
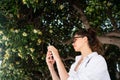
{"points": [[90, 65]]}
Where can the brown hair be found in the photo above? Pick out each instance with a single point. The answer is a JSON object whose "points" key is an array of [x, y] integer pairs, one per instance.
{"points": [[93, 42]]}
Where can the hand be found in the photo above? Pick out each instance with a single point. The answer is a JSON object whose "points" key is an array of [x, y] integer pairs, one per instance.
{"points": [[49, 59], [54, 52]]}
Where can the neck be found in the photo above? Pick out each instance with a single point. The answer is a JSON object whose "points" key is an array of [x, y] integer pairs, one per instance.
{"points": [[85, 52]]}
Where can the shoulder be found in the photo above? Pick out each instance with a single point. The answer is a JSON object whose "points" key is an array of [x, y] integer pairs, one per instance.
{"points": [[96, 56], [97, 60]]}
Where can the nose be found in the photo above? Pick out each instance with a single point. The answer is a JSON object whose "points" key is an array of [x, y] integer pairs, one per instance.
{"points": [[72, 44]]}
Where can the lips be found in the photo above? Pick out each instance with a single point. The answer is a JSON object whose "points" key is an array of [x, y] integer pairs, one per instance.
{"points": [[74, 47]]}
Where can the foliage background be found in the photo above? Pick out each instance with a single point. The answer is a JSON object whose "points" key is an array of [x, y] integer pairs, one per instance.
{"points": [[27, 26]]}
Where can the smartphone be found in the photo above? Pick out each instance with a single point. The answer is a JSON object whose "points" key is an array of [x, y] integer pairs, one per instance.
{"points": [[51, 51]]}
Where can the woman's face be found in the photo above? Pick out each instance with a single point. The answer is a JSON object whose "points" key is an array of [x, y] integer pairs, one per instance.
{"points": [[78, 43]]}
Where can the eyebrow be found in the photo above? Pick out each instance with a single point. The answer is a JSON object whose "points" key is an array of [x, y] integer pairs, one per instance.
{"points": [[77, 37]]}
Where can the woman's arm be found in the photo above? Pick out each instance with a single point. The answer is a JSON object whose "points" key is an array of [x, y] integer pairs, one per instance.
{"points": [[61, 70], [60, 66], [54, 74], [50, 62]]}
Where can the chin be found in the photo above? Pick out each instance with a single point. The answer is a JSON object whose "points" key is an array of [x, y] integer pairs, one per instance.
{"points": [[76, 50]]}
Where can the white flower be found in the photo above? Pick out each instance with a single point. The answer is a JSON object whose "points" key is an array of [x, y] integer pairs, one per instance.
{"points": [[16, 31], [1, 32], [0, 49], [24, 34], [0, 41], [7, 56], [35, 31], [61, 7], [39, 41], [4, 38], [19, 50], [26, 46], [17, 62], [32, 49], [12, 30], [7, 51], [51, 31], [24, 1], [20, 55], [13, 50], [54, 1], [39, 32], [6, 43]]}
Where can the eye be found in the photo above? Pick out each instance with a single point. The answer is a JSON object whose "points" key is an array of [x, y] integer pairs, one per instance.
{"points": [[74, 40]]}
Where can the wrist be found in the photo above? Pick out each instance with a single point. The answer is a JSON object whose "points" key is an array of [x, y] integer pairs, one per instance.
{"points": [[58, 59], [52, 70], [51, 66]]}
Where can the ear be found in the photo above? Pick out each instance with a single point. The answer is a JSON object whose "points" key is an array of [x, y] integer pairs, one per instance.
{"points": [[85, 39]]}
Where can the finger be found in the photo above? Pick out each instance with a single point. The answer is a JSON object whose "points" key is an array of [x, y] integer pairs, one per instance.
{"points": [[49, 56], [51, 47], [49, 61], [49, 53]]}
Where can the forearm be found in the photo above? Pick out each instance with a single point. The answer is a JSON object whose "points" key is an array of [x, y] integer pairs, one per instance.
{"points": [[54, 74], [61, 70]]}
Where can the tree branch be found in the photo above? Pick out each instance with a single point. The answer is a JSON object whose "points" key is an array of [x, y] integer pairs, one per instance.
{"points": [[116, 34], [82, 17], [109, 40]]}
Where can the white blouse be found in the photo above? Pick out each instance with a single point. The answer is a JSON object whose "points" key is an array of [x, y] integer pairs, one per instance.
{"points": [[93, 67]]}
